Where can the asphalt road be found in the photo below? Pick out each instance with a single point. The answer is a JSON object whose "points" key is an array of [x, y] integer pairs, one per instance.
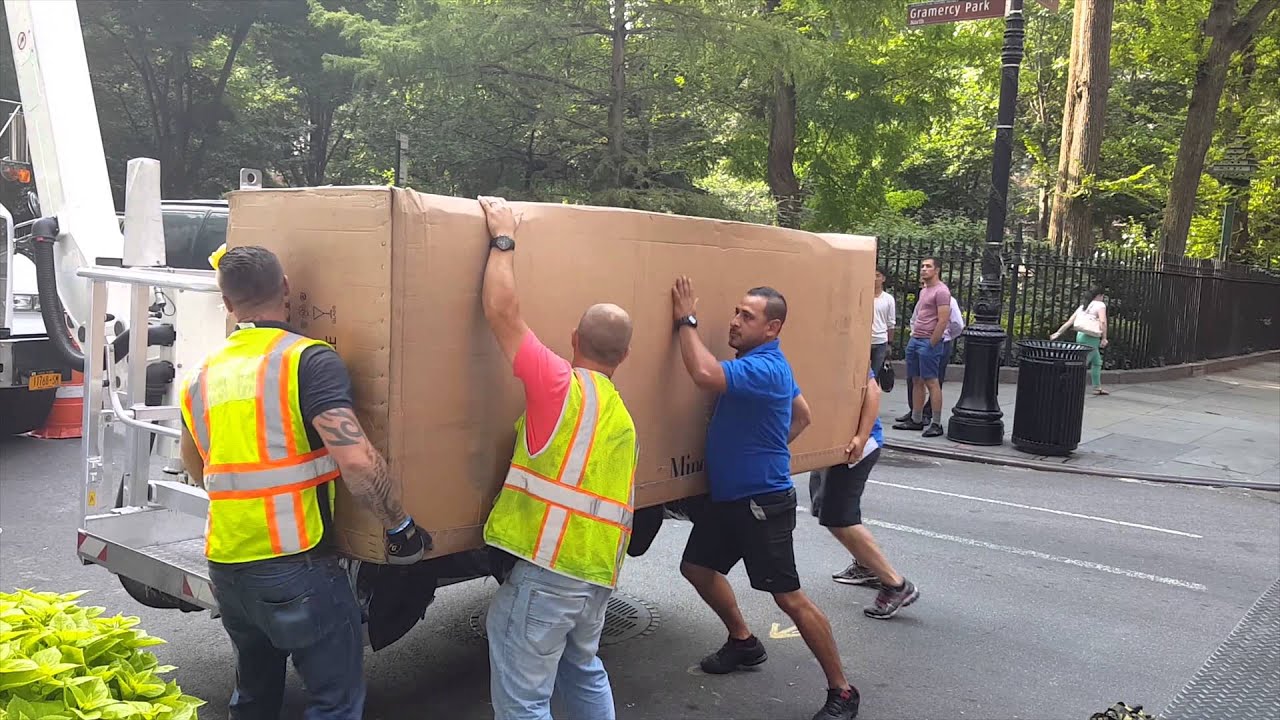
{"points": [[1043, 596]]}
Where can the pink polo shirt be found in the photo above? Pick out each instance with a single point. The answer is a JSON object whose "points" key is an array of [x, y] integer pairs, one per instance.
{"points": [[546, 377]]}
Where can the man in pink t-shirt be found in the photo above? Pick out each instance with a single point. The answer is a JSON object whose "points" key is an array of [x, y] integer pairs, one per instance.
{"points": [[926, 349], [544, 623]]}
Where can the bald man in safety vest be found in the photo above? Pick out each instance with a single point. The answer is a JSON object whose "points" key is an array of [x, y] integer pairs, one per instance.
{"points": [[268, 429], [565, 509]]}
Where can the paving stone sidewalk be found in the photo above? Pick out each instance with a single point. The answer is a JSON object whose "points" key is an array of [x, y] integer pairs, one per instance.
{"points": [[1219, 426]]}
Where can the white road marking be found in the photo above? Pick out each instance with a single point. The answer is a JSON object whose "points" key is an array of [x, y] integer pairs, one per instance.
{"points": [[1039, 555], [1039, 509]]}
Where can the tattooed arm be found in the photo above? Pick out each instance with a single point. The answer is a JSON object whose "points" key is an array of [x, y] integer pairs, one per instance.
{"points": [[362, 467]]}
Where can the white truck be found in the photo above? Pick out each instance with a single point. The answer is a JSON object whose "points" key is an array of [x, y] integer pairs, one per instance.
{"points": [[137, 324]]}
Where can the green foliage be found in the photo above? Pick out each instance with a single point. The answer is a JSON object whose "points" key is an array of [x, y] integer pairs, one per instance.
{"points": [[62, 661]]}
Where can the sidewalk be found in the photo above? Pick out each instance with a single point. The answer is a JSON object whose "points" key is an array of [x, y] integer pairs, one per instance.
{"points": [[1220, 426]]}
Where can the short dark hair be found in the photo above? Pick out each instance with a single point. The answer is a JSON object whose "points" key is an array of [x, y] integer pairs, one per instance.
{"points": [[775, 305], [882, 272], [250, 275], [937, 264]]}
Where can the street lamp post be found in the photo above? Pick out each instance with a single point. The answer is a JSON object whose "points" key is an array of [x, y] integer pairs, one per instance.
{"points": [[976, 418]]}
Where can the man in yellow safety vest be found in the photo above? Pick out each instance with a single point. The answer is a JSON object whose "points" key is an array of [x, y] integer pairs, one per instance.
{"points": [[565, 509], [268, 429]]}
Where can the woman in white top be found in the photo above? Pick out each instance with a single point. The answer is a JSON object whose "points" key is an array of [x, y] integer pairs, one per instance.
{"points": [[1090, 323]]}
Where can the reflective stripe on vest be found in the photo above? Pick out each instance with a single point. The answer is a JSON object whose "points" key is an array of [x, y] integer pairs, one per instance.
{"points": [[268, 487]]}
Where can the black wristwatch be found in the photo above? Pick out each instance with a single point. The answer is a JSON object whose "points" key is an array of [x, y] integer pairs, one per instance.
{"points": [[503, 242], [690, 320]]}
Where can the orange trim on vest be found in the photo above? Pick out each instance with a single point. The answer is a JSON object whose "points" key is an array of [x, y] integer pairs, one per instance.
{"points": [[265, 465], [286, 377], [274, 491], [566, 508], [574, 488], [259, 410], [273, 529], [300, 519], [577, 426]]}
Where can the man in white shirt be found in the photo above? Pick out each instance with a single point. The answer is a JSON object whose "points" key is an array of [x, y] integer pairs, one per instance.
{"points": [[884, 320], [955, 327]]}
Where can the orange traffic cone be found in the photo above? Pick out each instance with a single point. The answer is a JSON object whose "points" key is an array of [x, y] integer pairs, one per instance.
{"points": [[67, 412]]}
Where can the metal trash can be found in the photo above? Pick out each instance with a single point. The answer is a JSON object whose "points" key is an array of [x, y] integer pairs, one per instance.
{"points": [[1049, 412]]}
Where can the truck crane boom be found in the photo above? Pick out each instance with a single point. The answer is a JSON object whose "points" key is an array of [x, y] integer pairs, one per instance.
{"points": [[65, 143]]}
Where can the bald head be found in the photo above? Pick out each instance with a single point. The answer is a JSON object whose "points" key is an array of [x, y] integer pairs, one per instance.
{"points": [[604, 334]]}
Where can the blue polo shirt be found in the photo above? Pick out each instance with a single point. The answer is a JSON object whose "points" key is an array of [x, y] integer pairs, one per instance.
{"points": [[747, 451]]}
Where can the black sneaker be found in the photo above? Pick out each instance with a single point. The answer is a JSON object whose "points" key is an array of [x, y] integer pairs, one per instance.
{"points": [[891, 600], [735, 655], [903, 418], [934, 430], [908, 424], [856, 574], [841, 705]]}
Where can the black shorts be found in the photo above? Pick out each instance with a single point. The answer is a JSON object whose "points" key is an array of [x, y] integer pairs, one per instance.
{"points": [[756, 530], [835, 493]]}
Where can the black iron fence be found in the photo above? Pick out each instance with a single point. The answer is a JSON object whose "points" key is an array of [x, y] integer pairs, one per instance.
{"points": [[1160, 310]]}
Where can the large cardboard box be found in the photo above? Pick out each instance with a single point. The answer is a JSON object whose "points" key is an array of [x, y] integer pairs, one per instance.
{"points": [[392, 278]]}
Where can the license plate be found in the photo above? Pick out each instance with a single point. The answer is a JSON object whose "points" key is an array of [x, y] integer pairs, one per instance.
{"points": [[44, 380]]}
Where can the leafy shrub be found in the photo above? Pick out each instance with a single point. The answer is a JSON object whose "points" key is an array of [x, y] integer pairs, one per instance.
{"points": [[61, 661]]}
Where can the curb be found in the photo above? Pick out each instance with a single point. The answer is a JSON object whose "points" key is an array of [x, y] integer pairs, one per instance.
{"points": [[1009, 373], [949, 454]]}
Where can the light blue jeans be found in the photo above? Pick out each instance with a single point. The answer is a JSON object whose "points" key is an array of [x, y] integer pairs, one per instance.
{"points": [[544, 631]]}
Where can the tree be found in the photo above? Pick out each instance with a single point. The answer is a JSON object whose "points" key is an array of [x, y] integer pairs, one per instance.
{"points": [[1083, 124], [162, 67], [1227, 34]]}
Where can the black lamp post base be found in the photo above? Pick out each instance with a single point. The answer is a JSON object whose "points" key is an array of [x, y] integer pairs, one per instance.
{"points": [[972, 431], [977, 419]]}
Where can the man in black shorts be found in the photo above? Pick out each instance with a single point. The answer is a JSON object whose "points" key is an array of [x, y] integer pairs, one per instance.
{"points": [[835, 498], [751, 512]]}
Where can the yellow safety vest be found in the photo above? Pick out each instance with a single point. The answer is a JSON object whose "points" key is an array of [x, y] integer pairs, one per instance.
{"points": [[260, 471], [569, 507]]}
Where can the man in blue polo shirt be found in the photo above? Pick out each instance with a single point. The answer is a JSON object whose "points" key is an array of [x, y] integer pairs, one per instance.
{"points": [[751, 512]]}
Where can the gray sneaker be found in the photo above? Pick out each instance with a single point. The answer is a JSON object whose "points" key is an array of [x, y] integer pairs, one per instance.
{"points": [[891, 600], [856, 574]]}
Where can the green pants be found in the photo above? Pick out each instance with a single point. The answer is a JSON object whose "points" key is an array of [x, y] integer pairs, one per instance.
{"points": [[1094, 363]]}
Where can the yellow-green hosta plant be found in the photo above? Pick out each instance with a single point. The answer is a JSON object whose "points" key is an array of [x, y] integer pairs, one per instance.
{"points": [[62, 661]]}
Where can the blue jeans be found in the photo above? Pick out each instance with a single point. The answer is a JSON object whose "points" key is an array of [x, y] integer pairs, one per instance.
{"points": [[924, 359], [942, 378], [294, 606], [544, 631]]}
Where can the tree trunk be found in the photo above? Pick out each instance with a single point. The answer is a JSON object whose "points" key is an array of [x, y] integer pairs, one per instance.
{"points": [[618, 84], [187, 178], [1238, 249], [1227, 37], [1083, 121], [782, 151]]}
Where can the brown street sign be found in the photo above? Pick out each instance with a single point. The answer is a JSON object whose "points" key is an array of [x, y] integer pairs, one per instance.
{"points": [[945, 11], [933, 13]]}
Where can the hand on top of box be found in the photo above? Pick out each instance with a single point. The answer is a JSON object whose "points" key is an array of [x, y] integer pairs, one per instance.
{"points": [[502, 220]]}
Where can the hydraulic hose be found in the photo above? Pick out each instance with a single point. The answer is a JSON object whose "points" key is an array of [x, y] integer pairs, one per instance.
{"points": [[44, 233]]}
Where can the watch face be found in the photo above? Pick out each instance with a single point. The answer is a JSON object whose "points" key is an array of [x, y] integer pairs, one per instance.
{"points": [[504, 243]]}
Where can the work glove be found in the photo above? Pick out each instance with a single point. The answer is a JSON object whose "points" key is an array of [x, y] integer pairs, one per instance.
{"points": [[407, 545]]}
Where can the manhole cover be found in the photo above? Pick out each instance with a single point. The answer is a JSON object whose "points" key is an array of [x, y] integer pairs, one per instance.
{"points": [[625, 617]]}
